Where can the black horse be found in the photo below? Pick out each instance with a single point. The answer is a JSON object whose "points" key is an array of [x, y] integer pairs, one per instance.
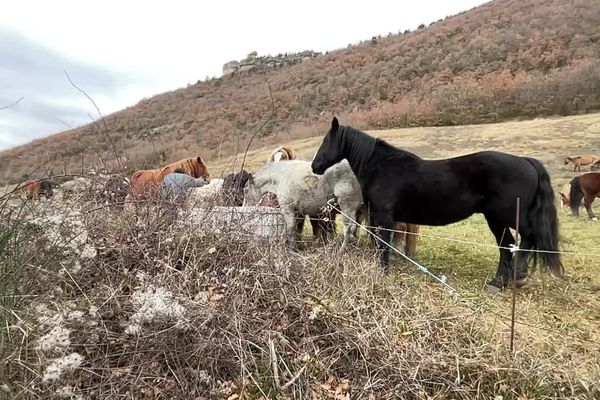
{"points": [[400, 186], [233, 188]]}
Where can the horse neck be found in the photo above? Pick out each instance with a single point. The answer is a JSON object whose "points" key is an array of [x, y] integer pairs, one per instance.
{"points": [[360, 148], [357, 148]]}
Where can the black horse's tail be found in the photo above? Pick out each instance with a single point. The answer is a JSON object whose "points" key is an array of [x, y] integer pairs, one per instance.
{"points": [[575, 195], [543, 220]]}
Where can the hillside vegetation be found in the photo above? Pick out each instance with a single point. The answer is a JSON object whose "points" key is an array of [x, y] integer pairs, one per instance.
{"points": [[506, 59]]}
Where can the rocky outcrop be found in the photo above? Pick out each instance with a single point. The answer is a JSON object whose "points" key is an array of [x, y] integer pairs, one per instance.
{"points": [[254, 61]]}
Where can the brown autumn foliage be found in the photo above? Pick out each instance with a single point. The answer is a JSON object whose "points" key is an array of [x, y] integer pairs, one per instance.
{"points": [[503, 60]]}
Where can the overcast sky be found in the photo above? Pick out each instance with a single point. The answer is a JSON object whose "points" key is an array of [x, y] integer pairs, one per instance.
{"points": [[123, 51]]}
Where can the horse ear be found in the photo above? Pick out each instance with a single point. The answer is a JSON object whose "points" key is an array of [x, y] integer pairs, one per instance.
{"points": [[334, 124]]}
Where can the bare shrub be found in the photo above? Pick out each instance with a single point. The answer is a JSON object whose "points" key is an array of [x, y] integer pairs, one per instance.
{"points": [[164, 312]]}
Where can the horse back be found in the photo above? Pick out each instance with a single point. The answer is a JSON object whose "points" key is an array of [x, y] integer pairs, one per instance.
{"points": [[439, 192], [143, 180], [590, 183]]}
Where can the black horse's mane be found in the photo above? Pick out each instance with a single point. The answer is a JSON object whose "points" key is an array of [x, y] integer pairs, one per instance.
{"points": [[361, 146]]}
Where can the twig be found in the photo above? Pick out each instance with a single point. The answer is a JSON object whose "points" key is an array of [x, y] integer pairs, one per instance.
{"points": [[274, 364], [12, 104], [275, 367], [269, 119], [88, 97], [103, 131]]}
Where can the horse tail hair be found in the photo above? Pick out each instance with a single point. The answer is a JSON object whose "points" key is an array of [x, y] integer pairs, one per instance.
{"points": [[575, 195], [543, 220]]}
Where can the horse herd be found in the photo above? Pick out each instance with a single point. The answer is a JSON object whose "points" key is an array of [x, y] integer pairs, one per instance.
{"points": [[390, 189]]}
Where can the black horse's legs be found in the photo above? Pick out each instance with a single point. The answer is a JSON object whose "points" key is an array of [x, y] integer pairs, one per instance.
{"points": [[385, 221], [522, 261], [587, 202], [504, 239]]}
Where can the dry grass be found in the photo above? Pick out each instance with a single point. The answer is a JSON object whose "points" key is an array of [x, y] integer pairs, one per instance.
{"points": [[156, 311], [160, 312]]}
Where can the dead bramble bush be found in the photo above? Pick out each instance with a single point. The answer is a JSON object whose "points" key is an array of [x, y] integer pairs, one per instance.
{"points": [[162, 312]]}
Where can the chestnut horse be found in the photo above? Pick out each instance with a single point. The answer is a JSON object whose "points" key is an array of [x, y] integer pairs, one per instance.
{"points": [[565, 196], [579, 161], [586, 186], [149, 181], [34, 189], [404, 236]]}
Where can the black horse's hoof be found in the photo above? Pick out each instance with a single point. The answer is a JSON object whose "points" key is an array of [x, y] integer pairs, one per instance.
{"points": [[520, 282], [496, 284]]}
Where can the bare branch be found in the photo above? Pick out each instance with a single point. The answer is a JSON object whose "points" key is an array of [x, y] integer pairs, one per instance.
{"points": [[269, 119], [12, 104], [103, 131], [88, 97]]}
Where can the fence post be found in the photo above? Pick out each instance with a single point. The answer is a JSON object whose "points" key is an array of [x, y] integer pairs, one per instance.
{"points": [[514, 277]]}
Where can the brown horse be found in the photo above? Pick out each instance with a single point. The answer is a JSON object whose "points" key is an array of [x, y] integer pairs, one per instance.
{"points": [[149, 181], [34, 189], [404, 236], [269, 199], [565, 196], [586, 186], [579, 161], [281, 153]]}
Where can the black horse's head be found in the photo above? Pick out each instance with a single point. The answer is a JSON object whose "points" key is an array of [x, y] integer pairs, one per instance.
{"points": [[46, 189], [233, 187], [330, 151]]}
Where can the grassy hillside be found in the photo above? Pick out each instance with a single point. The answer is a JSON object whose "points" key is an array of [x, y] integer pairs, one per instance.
{"points": [[506, 59], [548, 139]]}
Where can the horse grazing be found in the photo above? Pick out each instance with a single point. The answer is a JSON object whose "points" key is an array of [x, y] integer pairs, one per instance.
{"points": [[233, 188], [176, 185], [565, 196], [281, 153], [586, 186], [400, 186], [207, 195], [300, 193], [268, 199], [149, 182], [35, 189], [579, 161]]}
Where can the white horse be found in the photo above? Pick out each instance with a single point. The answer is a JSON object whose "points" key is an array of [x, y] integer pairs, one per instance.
{"points": [[301, 193], [208, 194]]}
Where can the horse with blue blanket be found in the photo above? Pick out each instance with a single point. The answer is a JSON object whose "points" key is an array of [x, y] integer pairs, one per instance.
{"points": [[176, 185]]}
